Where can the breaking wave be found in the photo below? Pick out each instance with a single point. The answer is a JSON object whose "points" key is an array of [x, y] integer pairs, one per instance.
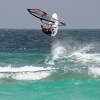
{"points": [[77, 62], [24, 73]]}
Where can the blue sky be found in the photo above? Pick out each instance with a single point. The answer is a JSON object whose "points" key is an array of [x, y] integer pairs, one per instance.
{"points": [[75, 13]]}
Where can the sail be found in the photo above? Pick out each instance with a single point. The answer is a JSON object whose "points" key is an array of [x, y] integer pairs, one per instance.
{"points": [[43, 16]]}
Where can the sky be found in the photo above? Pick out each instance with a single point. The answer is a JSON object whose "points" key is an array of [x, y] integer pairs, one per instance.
{"points": [[75, 13]]}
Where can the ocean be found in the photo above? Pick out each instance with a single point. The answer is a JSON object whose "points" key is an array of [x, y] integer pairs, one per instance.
{"points": [[35, 66]]}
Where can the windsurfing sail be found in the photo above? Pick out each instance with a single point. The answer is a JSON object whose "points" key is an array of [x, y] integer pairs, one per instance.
{"points": [[43, 16]]}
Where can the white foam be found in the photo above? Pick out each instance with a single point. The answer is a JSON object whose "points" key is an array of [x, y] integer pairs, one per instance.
{"points": [[86, 48], [25, 73], [9, 68], [84, 56], [58, 51], [94, 72], [87, 57]]}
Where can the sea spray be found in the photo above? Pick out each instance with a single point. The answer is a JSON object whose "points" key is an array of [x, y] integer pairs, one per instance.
{"points": [[58, 51]]}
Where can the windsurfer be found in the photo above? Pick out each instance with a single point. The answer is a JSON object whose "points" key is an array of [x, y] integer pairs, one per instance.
{"points": [[46, 30]]}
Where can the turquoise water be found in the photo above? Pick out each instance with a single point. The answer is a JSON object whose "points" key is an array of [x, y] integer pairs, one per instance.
{"points": [[51, 90], [34, 66]]}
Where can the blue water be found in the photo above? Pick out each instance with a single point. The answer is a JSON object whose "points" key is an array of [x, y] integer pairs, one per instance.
{"points": [[34, 66]]}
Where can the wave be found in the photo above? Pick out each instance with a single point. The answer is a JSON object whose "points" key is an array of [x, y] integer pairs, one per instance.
{"points": [[60, 51], [63, 62], [25, 72], [78, 62]]}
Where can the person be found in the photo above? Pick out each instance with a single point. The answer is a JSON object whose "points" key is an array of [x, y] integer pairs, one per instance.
{"points": [[46, 30]]}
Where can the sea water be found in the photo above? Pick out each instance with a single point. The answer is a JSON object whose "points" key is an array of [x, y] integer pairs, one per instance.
{"points": [[35, 66]]}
